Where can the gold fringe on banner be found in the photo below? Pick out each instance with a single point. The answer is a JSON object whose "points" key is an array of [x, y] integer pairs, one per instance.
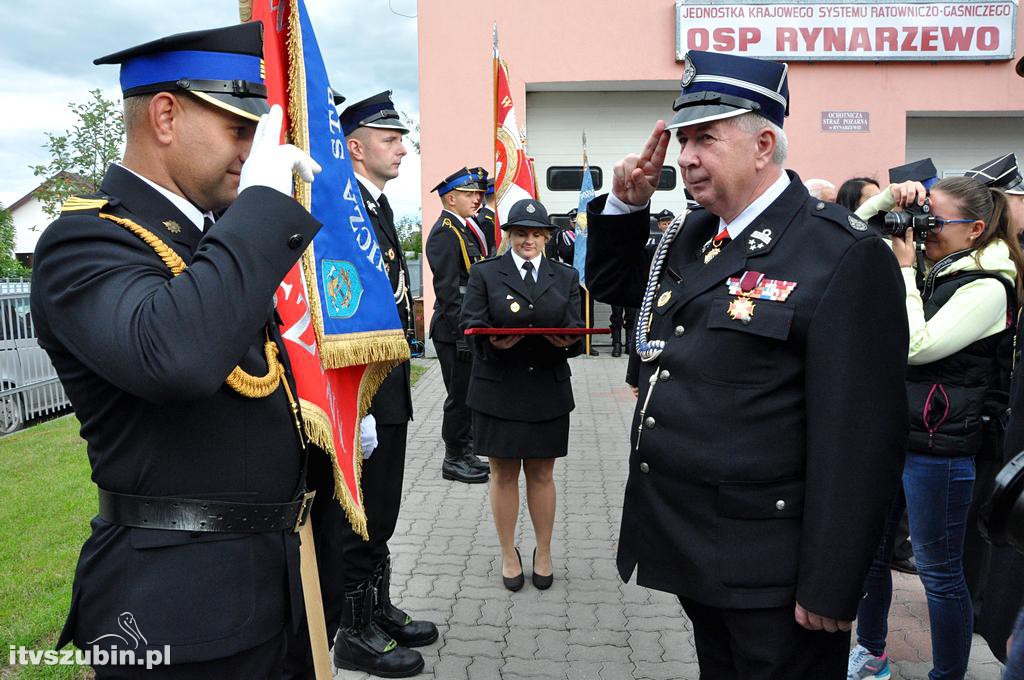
{"points": [[318, 429]]}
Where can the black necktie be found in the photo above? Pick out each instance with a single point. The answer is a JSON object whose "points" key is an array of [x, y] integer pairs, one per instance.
{"points": [[386, 211], [528, 279], [207, 223]]}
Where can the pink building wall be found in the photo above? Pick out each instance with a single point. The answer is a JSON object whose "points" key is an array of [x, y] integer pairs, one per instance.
{"points": [[609, 40]]}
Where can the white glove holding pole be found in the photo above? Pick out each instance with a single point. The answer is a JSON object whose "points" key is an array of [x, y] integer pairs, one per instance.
{"points": [[368, 435], [270, 163]]}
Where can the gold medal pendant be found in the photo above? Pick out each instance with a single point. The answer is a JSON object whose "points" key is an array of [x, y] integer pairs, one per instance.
{"points": [[514, 307], [742, 310]]}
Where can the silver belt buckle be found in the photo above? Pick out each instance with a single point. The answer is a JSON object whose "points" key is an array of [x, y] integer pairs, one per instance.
{"points": [[307, 503]]}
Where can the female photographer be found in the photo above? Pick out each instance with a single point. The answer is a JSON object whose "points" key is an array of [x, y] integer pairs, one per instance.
{"points": [[957, 319], [519, 389]]}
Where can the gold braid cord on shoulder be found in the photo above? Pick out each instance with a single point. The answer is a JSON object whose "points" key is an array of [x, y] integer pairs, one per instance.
{"points": [[462, 246], [254, 387]]}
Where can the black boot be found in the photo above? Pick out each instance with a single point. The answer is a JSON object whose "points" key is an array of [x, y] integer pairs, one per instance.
{"points": [[476, 461], [361, 645], [458, 468], [616, 342], [394, 621]]}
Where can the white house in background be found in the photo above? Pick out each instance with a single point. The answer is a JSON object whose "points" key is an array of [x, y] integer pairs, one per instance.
{"points": [[29, 222]]}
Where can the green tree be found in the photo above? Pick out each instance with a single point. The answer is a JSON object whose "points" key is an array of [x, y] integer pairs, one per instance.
{"points": [[413, 138], [410, 233], [80, 156], [9, 267]]}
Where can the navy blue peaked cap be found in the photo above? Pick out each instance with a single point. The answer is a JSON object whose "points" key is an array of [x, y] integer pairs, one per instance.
{"points": [[528, 212], [922, 171], [490, 187], [221, 66], [466, 179], [377, 111], [717, 86], [999, 173]]}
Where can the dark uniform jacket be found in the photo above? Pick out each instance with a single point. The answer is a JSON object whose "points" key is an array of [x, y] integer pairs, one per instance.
{"points": [[769, 450], [529, 381], [485, 220], [143, 357], [392, 405], [451, 250]]}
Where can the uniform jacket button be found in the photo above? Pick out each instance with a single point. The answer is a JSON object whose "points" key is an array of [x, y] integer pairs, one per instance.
{"points": [[664, 375], [296, 241], [650, 422], [780, 504], [679, 331], [645, 468], [529, 368], [531, 307]]}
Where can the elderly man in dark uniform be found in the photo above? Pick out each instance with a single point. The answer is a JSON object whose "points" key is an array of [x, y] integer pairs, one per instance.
{"points": [[455, 244], [768, 437], [160, 322]]}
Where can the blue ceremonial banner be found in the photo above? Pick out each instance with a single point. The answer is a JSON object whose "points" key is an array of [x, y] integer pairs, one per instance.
{"points": [[579, 257], [351, 301]]}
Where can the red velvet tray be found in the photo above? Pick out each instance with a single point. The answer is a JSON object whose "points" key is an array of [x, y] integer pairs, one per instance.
{"points": [[538, 331]]}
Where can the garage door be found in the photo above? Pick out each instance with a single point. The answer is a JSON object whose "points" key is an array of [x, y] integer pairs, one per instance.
{"points": [[960, 143], [617, 123]]}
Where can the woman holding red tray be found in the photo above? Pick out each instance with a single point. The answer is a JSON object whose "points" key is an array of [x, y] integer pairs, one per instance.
{"points": [[519, 389]]}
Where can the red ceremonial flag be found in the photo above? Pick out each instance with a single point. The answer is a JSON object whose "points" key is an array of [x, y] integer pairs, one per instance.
{"points": [[513, 169]]}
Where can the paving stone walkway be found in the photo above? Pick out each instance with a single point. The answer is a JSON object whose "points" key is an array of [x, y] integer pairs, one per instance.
{"points": [[589, 625]]}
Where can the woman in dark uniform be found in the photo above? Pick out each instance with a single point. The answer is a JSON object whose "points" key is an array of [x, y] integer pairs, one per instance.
{"points": [[519, 390]]}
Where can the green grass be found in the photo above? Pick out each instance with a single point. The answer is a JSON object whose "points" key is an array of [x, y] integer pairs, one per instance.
{"points": [[418, 369], [48, 500]]}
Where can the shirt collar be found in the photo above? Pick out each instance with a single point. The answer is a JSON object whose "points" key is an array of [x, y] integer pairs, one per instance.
{"points": [[520, 260], [194, 214], [758, 206], [369, 186], [462, 220]]}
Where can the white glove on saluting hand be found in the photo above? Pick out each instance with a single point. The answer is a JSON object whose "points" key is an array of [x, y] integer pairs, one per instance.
{"points": [[368, 435], [270, 163]]}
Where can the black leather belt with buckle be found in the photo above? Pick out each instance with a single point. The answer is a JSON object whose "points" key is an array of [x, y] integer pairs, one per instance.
{"points": [[190, 514]]}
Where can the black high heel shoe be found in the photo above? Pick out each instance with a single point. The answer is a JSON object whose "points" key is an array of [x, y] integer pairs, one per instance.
{"points": [[540, 582], [516, 582]]}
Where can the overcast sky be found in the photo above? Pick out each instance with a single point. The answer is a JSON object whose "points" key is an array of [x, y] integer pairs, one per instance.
{"points": [[48, 46]]}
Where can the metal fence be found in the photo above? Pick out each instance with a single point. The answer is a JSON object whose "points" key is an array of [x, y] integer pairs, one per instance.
{"points": [[29, 386]]}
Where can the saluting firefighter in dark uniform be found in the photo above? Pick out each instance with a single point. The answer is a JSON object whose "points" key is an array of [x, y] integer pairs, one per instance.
{"points": [[370, 624], [455, 244], [161, 326], [771, 422]]}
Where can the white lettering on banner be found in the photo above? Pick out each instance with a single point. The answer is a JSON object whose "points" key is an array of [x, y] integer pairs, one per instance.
{"points": [[364, 235], [842, 30]]}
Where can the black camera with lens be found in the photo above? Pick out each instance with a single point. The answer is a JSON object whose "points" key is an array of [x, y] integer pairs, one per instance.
{"points": [[1001, 519], [917, 218]]}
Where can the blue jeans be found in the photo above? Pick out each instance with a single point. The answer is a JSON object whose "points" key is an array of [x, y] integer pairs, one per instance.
{"points": [[1015, 664], [938, 492]]}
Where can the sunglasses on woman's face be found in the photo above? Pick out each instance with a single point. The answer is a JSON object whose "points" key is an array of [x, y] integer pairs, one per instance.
{"points": [[940, 223]]}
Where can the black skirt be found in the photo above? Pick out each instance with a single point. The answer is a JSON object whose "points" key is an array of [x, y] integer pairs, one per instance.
{"points": [[499, 438]]}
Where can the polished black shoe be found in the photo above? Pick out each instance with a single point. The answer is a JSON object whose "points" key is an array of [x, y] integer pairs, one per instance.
{"points": [[905, 566], [617, 349], [540, 582], [458, 468], [516, 582], [392, 620], [478, 463], [360, 645], [594, 352]]}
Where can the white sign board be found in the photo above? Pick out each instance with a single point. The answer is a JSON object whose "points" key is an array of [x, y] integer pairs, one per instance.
{"points": [[824, 30]]}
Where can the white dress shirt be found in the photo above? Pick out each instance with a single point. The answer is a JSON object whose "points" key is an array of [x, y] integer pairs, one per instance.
{"points": [[519, 264], [194, 214]]}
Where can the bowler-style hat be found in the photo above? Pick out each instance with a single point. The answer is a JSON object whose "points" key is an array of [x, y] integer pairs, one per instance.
{"points": [[527, 213], [377, 111], [466, 179], [922, 171], [221, 66], [717, 86], [999, 173]]}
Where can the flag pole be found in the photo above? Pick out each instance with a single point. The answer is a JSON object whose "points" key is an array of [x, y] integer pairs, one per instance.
{"points": [[586, 291], [494, 155]]}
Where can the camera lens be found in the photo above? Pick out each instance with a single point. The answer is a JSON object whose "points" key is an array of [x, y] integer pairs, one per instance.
{"points": [[895, 223]]}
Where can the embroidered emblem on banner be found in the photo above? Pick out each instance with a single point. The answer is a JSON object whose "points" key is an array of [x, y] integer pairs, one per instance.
{"points": [[765, 289], [343, 287]]}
